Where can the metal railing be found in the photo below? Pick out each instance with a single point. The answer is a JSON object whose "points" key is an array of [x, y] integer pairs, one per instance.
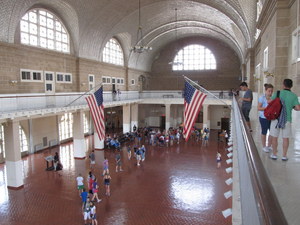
{"points": [[259, 203], [23, 102]]}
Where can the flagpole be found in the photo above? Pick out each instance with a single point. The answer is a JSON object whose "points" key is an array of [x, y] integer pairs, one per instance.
{"points": [[203, 89], [100, 84]]}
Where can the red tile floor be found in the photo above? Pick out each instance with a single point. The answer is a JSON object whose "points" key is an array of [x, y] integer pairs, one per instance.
{"points": [[174, 185]]}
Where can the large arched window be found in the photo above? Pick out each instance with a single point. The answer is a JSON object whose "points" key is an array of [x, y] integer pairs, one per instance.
{"points": [[43, 29], [113, 53], [194, 57]]}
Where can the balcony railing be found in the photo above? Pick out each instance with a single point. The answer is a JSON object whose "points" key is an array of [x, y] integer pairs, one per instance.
{"points": [[23, 102]]}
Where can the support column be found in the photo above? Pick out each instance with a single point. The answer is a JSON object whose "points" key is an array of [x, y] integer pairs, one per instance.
{"points": [[206, 117], [31, 149], [134, 115], [168, 115], [126, 118], [14, 165], [99, 144], [78, 136]]}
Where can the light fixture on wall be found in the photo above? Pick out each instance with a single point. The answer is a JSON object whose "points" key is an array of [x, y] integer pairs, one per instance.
{"points": [[176, 63], [13, 82], [268, 74], [140, 47]]}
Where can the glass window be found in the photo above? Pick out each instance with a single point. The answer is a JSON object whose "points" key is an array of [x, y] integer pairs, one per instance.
{"points": [[66, 126], [23, 140], [59, 77], [68, 78], [25, 75], [104, 80], [194, 57], [113, 53], [36, 75], [41, 28], [132, 81], [113, 80], [49, 76], [2, 143], [86, 126]]}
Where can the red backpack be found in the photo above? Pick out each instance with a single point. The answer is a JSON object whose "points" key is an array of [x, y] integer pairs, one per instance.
{"points": [[272, 111]]}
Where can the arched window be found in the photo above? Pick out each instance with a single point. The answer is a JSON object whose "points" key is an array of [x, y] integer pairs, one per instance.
{"points": [[43, 29], [113, 53], [194, 57], [23, 140], [66, 126]]}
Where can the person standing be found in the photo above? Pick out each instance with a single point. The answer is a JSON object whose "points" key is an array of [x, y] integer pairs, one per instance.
{"points": [[107, 179], [84, 196], [118, 161], [129, 152], [265, 124], [93, 214], [291, 102], [80, 185], [92, 159], [246, 102], [56, 161], [219, 159]]}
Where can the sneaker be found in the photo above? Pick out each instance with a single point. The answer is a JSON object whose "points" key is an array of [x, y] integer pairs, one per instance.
{"points": [[274, 157], [99, 200], [284, 158], [266, 149]]}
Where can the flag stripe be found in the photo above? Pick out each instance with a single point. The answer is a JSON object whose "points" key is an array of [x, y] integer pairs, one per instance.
{"points": [[95, 103], [193, 100]]}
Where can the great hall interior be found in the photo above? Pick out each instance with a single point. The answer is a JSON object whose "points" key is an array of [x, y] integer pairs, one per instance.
{"points": [[53, 54]]}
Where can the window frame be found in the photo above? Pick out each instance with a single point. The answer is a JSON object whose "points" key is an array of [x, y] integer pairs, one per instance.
{"points": [[132, 83], [113, 53], [31, 75], [56, 22], [59, 81], [71, 78]]}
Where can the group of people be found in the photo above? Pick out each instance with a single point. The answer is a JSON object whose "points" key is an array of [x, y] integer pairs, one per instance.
{"points": [[89, 195], [289, 102]]}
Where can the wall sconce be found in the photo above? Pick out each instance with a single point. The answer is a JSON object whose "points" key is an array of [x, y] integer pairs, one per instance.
{"points": [[267, 74], [257, 79], [82, 84], [13, 82]]}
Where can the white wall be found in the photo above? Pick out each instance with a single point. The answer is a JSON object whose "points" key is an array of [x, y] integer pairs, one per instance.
{"points": [[216, 113]]}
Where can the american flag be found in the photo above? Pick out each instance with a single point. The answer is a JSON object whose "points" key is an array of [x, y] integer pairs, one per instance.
{"points": [[95, 102], [193, 100]]}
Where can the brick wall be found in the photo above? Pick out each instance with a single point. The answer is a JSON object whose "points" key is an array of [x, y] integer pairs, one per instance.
{"points": [[224, 77]]}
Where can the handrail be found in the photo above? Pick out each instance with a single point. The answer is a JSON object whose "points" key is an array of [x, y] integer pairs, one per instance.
{"points": [[268, 206]]}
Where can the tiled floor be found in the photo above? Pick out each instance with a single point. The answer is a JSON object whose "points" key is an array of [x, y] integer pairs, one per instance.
{"points": [[284, 176], [174, 185]]}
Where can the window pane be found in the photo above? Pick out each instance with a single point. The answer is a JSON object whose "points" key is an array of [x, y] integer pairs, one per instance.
{"points": [[45, 30], [194, 57], [112, 53]]}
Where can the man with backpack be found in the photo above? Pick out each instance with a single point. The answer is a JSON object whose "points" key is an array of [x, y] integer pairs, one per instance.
{"points": [[290, 101], [246, 102]]}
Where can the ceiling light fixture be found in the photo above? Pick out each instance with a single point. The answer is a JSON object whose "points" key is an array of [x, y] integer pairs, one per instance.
{"points": [[176, 62], [140, 47]]}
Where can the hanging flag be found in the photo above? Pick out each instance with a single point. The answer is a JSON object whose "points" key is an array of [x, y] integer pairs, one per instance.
{"points": [[193, 100], [95, 102]]}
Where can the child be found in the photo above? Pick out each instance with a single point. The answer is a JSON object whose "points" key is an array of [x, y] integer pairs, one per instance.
{"points": [[129, 152], [219, 159]]}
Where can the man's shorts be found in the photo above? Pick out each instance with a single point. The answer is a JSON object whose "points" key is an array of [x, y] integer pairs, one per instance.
{"points": [[93, 162], [286, 132], [246, 113], [87, 215], [80, 187]]}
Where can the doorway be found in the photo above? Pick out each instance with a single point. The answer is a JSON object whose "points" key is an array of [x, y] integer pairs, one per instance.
{"points": [[225, 124]]}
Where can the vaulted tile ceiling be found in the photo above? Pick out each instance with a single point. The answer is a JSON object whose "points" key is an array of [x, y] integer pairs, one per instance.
{"points": [[92, 23]]}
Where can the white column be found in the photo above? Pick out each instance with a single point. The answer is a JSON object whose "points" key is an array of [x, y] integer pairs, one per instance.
{"points": [[134, 115], [168, 115], [99, 144], [14, 165], [78, 136], [206, 116], [126, 118], [296, 129]]}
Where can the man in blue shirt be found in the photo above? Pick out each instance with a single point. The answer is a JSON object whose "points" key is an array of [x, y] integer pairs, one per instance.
{"points": [[246, 102]]}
